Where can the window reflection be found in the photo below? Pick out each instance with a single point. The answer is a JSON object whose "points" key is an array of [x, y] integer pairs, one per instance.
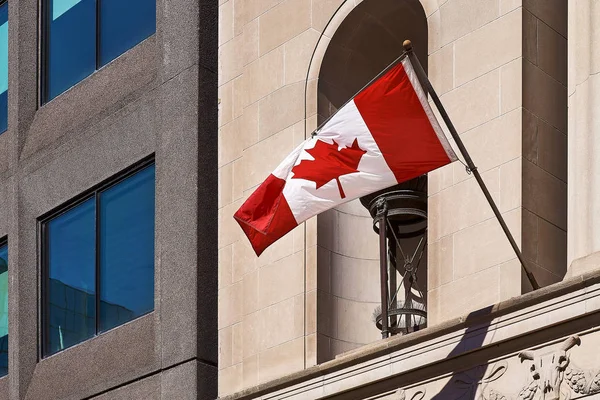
{"points": [[3, 309], [71, 47], [71, 273], [127, 250], [75, 45], [123, 24], [3, 67], [99, 262]]}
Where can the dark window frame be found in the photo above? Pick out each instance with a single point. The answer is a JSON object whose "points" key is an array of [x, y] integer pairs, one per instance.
{"points": [[42, 221], [3, 2], [4, 242], [43, 49]]}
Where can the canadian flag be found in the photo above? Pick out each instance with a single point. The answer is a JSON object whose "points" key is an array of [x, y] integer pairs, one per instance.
{"points": [[386, 135]]}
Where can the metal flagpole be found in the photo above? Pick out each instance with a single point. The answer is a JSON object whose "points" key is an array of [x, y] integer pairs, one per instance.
{"points": [[472, 168]]}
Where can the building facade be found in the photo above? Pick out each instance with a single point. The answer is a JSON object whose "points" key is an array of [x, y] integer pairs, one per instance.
{"points": [[108, 199], [515, 77]]}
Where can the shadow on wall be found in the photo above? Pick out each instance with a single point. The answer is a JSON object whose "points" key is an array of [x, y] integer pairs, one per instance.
{"points": [[464, 385]]}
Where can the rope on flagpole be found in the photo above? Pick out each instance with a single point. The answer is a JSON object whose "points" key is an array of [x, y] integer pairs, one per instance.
{"points": [[408, 49]]}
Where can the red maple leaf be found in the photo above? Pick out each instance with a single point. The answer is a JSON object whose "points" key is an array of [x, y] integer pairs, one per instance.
{"points": [[329, 163]]}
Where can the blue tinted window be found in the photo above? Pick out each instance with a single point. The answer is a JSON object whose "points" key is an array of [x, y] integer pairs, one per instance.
{"points": [[71, 272], [71, 47], [3, 310], [76, 45], [127, 249], [99, 262], [3, 67], [123, 24]]}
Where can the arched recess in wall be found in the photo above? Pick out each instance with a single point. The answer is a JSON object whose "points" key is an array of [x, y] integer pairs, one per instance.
{"points": [[365, 42]]}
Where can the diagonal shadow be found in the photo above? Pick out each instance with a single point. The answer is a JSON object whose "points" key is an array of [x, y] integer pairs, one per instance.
{"points": [[463, 385]]}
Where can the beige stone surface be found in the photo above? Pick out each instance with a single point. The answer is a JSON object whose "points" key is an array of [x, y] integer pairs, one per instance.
{"points": [[283, 22], [475, 102], [488, 48], [460, 17]]}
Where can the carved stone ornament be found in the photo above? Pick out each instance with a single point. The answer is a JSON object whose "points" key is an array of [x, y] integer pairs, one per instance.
{"points": [[401, 395], [551, 377]]}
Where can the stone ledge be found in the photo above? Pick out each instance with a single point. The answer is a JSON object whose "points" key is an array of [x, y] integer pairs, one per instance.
{"points": [[451, 329]]}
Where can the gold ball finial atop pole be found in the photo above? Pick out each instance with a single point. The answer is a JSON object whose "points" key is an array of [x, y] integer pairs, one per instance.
{"points": [[407, 45]]}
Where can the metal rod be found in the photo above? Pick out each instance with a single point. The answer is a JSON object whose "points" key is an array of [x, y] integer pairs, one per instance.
{"points": [[385, 333], [429, 88]]}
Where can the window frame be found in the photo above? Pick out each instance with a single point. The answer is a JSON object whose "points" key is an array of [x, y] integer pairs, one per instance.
{"points": [[4, 242], [3, 2], [42, 222], [43, 50]]}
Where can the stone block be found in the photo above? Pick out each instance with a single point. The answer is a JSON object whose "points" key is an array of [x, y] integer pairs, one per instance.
{"points": [[552, 250], [488, 48], [461, 206], [354, 320], [247, 11], [544, 195], [250, 371], [552, 53], [231, 60], [230, 145], [298, 53], [323, 11], [250, 292], [510, 279], [475, 102], [230, 305], [281, 109], [544, 96], [460, 17], [281, 322], [551, 12], [350, 244], [283, 22], [440, 262], [440, 179], [510, 185], [281, 360], [354, 278], [511, 86], [441, 69], [492, 144], [485, 245], [476, 292], [147, 389], [231, 379], [225, 266], [281, 280], [225, 184], [507, 6], [530, 37], [229, 230], [552, 150], [264, 75], [262, 158], [225, 347], [225, 22]]}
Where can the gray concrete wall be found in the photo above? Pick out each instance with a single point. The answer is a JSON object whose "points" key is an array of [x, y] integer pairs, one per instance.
{"points": [[158, 98]]}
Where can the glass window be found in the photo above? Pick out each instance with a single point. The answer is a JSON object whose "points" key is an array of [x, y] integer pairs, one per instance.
{"points": [[127, 250], [71, 277], [71, 43], [84, 35], [3, 67], [99, 261], [123, 24], [3, 308]]}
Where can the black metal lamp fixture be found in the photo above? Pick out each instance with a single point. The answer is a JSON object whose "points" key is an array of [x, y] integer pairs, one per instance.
{"points": [[400, 218]]}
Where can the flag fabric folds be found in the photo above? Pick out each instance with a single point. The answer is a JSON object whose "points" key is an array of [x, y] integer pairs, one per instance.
{"points": [[386, 135]]}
